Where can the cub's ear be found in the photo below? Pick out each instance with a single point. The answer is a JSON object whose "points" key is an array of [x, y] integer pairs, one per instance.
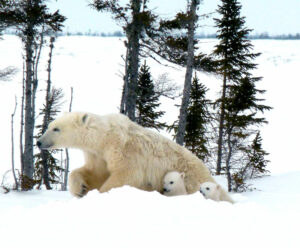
{"points": [[182, 174], [218, 186]]}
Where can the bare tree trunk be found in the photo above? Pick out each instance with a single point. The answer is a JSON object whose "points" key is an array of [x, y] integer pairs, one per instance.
{"points": [[134, 30], [221, 127], [22, 122], [228, 159], [44, 153], [29, 118], [67, 152], [36, 60], [189, 72], [13, 147], [125, 85]]}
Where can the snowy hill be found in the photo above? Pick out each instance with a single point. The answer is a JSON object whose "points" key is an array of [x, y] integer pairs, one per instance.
{"points": [[127, 217]]}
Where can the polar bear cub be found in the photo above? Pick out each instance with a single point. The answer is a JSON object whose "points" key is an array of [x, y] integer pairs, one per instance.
{"points": [[214, 192], [174, 183]]}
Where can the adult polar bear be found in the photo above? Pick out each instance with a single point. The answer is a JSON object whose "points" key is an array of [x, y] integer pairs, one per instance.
{"points": [[119, 152]]}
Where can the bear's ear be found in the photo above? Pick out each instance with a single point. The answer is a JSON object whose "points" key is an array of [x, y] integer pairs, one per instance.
{"points": [[182, 174], [84, 119], [218, 187]]}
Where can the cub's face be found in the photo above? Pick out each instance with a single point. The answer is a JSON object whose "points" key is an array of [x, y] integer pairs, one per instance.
{"points": [[62, 132], [208, 189], [172, 180]]}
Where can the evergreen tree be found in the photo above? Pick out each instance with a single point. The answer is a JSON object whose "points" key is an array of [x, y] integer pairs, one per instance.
{"points": [[257, 162], [234, 62], [147, 101], [238, 104], [136, 20], [170, 41], [8, 72], [5, 21], [46, 165], [31, 18], [241, 108], [148, 38], [198, 118], [255, 166], [46, 168], [176, 42], [191, 27], [3, 5]]}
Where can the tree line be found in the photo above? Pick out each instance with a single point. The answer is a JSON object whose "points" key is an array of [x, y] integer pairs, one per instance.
{"points": [[202, 35], [222, 132]]}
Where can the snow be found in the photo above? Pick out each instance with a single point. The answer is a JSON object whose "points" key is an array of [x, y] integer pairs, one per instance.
{"points": [[126, 217]]}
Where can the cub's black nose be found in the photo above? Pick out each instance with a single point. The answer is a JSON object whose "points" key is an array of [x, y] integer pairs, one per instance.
{"points": [[38, 144]]}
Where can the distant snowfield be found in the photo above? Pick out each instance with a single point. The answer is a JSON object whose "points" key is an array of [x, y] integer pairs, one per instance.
{"points": [[127, 217]]}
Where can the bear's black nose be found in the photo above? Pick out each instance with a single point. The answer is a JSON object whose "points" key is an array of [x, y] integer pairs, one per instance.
{"points": [[38, 144]]}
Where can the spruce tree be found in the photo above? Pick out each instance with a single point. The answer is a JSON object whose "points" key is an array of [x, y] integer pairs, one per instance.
{"points": [[46, 167], [234, 60], [148, 38], [198, 118], [8, 72], [191, 27], [172, 38], [177, 44], [257, 162], [137, 20], [32, 19], [238, 105], [255, 165], [147, 101]]}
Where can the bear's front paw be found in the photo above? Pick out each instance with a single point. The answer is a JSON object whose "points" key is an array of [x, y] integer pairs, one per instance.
{"points": [[82, 191], [77, 186]]}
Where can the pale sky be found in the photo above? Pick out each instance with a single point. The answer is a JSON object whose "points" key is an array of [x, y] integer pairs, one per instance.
{"points": [[272, 16]]}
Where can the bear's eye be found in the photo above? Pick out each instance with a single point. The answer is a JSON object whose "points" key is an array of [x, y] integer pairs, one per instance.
{"points": [[171, 182], [207, 188], [56, 129]]}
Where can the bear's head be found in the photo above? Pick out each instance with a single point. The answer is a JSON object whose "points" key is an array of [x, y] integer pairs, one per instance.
{"points": [[209, 190], [172, 181], [68, 130]]}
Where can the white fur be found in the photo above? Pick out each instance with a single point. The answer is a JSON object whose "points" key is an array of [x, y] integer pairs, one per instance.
{"points": [[174, 184], [119, 152], [214, 192]]}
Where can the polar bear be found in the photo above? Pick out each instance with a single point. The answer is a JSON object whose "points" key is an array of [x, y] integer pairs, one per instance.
{"points": [[174, 183], [119, 152], [214, 192]]}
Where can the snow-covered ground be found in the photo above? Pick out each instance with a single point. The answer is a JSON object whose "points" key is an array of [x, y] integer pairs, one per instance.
{"points": [[127, 217]]}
